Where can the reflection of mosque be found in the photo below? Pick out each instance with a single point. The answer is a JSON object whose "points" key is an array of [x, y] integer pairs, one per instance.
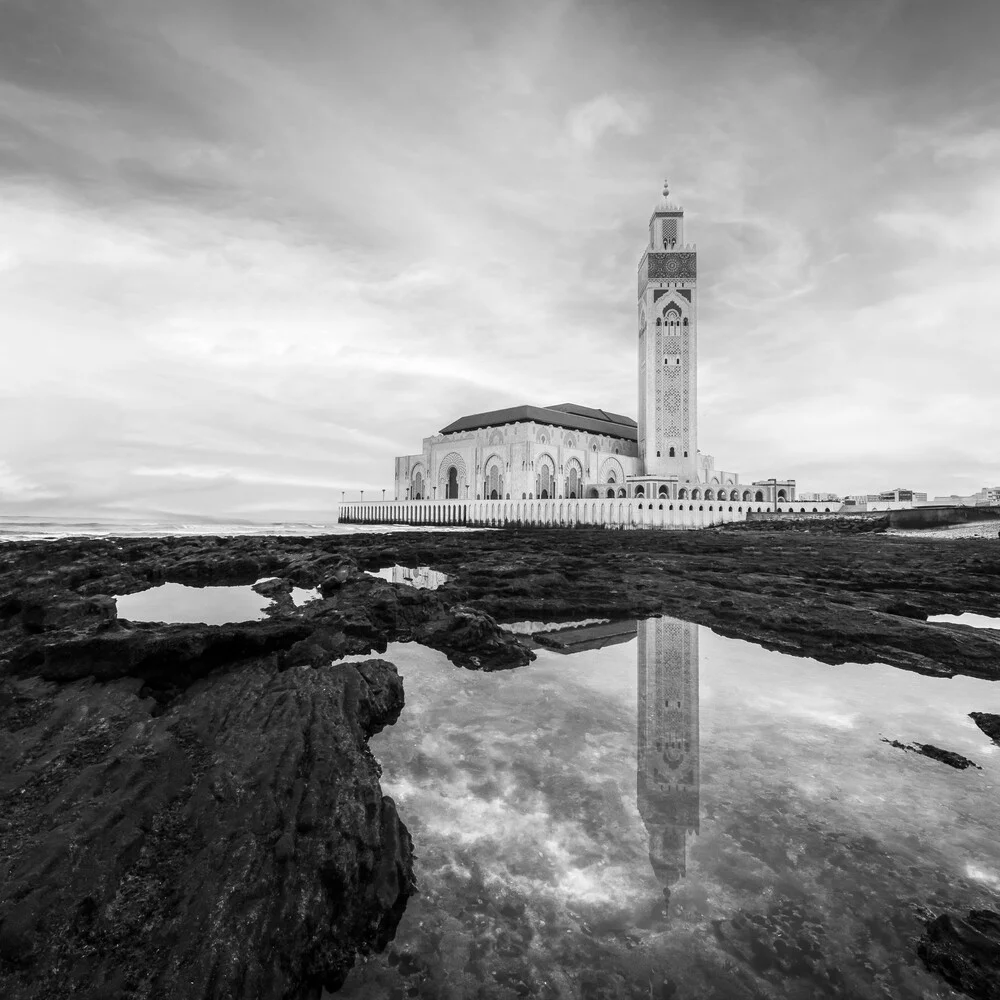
{"points": [[667, 777], [419, 577]]}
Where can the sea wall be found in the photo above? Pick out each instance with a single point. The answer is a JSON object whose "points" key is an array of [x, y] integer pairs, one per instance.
{"points": [[610, 513], [939, 517], [812, 515]]}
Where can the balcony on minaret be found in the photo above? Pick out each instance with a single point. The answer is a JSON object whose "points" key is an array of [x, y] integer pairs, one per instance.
{"points": [[676, 266]]}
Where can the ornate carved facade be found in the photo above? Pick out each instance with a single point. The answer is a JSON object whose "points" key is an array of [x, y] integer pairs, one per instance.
{"points": [[567, 450]]}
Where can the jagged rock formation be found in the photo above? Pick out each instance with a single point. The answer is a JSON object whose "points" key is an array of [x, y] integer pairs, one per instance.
{"points": [[988, 723], [235, 844]]}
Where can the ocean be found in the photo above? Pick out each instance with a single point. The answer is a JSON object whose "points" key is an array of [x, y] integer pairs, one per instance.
{"points": [[19, 528]]}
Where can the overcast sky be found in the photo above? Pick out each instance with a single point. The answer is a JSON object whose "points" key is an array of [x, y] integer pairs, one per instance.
{"points": [[251, 250]]}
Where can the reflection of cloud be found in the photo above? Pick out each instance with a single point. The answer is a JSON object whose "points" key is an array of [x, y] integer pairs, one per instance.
{"points": [[986, 876]]}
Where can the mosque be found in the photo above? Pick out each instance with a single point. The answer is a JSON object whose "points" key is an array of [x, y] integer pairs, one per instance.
{"points": [[580, 452]]}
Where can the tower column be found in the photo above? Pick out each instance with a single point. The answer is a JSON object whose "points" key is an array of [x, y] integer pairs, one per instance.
{"points": [[668, 347]]}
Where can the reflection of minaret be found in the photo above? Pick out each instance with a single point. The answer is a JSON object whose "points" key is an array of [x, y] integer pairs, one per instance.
{"points": [[667, 773]]}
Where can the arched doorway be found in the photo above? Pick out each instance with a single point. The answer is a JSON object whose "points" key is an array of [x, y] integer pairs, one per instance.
{"points": [[452, 491]]}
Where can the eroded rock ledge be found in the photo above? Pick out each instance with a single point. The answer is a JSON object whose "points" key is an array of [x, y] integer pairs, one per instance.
{"points": [[236, 844]]}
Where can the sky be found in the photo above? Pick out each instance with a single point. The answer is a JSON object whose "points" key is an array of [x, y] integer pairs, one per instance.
{"points": [[252, 250]]}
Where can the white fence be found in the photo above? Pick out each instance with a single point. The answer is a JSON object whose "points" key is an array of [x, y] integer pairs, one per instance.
{"points": [[637, 512]]}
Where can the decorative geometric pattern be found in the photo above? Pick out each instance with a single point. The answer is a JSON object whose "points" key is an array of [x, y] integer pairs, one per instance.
{"points": [[686, 292], [456, 460], [672, 266], [611, 467]]}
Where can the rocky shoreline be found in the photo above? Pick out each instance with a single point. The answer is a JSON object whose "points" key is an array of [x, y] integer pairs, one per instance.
{"points": [[192, 810]]}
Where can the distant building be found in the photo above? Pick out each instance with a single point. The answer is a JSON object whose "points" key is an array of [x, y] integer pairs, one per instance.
{"points": [[819, 497], [987, 496], [901, 495]]}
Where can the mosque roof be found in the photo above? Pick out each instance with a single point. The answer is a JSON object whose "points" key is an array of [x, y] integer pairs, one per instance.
{"points": [[569, 415]]}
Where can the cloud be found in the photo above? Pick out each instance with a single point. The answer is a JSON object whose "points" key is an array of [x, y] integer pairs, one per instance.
{"points": [[17, 488], [588, 123]]}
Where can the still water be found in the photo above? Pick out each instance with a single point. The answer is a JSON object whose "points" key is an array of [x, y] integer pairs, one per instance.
{"points": [[968, 618], [681, 815], [176, 602], [418, 577]]}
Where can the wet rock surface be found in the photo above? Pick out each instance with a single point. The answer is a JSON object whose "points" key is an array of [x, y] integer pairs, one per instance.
{"points": [[965, 951], [949, 757], [235, 844], [192, 809], [988, 723], [838, 598]]}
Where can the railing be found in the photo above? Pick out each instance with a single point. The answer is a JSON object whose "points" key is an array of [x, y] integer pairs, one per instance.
{"points": [[619, 512]]}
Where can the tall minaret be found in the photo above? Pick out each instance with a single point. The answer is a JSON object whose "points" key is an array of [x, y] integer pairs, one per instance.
{"points": [[668, 348], [667, 769]]}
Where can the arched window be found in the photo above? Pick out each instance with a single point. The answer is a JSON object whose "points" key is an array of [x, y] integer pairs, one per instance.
{"points": [[544, 482], [664, 492], [673, 452], [611, 493], [682, 494], [639, 491], [574, 482], [696, 494], [759, 497], [452, 491], [417, 492], [621, 491], [494, 483], [709, 495]]}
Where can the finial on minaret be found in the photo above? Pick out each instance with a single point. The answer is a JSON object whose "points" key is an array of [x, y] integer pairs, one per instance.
{"points": [[666, 189]]}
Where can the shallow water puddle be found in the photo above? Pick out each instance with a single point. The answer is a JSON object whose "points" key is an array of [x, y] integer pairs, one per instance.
{"points": [[967, 618], [418, 577], [177, 603], [681, 815], [302, 596]]}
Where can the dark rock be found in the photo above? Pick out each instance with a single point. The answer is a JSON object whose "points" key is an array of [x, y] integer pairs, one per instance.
{"points": [[949, 757], [321, 647], [988, 723], [342, 571], [905, 610], [473, 639], [235, 845], [275, 587], [965, 952], [163, 655]]}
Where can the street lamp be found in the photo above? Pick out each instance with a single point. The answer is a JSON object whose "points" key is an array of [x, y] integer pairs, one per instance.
{"points": [[362, 496], [435, 493], [383, 494]]}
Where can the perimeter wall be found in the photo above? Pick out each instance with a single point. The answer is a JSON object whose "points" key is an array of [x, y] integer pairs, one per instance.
{"points": [[612, 513]]}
